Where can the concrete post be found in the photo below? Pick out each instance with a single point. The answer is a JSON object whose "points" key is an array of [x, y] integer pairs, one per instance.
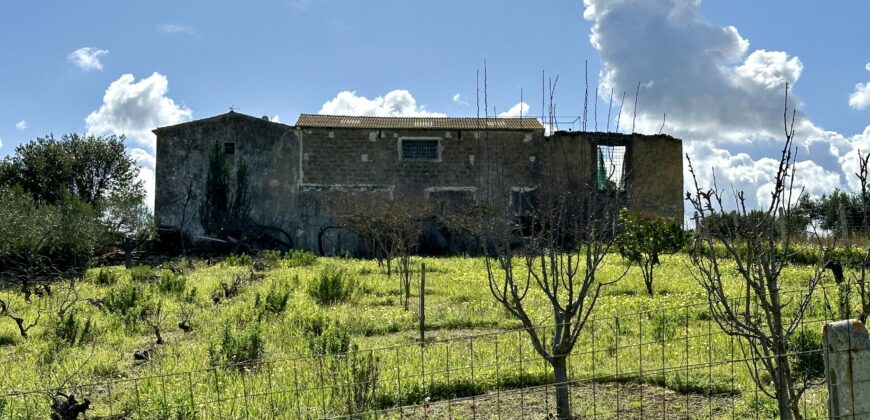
{"points": [[847, 368]]}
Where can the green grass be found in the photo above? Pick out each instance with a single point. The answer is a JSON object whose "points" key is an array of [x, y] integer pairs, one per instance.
{"points": [[666, 340]]}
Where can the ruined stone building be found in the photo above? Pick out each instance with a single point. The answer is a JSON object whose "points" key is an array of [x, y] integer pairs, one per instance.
{"points": [[293, 170]]}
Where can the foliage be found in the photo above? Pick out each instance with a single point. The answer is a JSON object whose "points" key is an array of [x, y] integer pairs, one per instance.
{"points": [[241, 260], [70, 329], [89, 168], [276, 298], [238, 350], [171, 283], [333, 338], [142, 274], [644, 239], [363, 374], [809, 354], [300, 258], [838, 211], [123, 299], [332, 285], [106, 277], [37, 236], [225, 210]]}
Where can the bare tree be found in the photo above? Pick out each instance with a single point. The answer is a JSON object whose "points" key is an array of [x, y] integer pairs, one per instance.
{"points": [[760, 315], [860, 278], [392, 227]]}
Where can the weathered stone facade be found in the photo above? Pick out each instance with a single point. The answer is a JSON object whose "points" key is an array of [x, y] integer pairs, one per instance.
{"points": [[295, 171]]}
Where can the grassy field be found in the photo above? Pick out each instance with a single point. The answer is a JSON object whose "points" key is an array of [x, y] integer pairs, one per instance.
{"points": [[272, 337]]}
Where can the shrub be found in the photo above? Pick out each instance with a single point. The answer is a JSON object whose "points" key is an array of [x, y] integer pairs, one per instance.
{"points": [[332, 285], [300, 258], [70, 329], [227, 290], [333, 339], [243, 260], [171, 283], [123, 299], [238, 350], [276, 299], [363, 371], [142, 273], [107, 277], [806, 346]]}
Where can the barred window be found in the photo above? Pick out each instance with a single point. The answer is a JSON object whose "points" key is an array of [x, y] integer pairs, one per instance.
{"points": [[419, 149], [230, 148], [611, 168]]}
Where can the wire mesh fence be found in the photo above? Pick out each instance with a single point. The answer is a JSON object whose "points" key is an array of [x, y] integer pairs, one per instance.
{"points": [[670, 362]]}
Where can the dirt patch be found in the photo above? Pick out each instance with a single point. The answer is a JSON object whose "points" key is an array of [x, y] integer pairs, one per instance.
{"points": [[589, 400]]}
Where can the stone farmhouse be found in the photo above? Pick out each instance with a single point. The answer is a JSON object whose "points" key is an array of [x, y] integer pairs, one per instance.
{"points": [[295, 170]]}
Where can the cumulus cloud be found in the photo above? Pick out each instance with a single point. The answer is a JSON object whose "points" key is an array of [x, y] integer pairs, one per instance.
{"points": [[725, 101], [21, 125], [396, 103], [1, 143], [860, 98], [460, 99], [87, 58], [518, 110], [134, 108]]}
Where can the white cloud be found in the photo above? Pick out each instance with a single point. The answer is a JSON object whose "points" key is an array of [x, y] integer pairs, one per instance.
{"points": [[133, 109], [21, 125], [460, 99], [87, 58], [275, 119], [723, 100], [860, 98], [174, 28], [396, 103], [1, 143], [519, 110]]}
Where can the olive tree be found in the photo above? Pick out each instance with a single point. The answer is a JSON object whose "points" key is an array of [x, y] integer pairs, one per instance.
{"points": [[644, 239]]}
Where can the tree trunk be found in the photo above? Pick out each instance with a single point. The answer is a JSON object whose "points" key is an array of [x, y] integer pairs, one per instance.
{"points": [[648, 279], [563, 401]]}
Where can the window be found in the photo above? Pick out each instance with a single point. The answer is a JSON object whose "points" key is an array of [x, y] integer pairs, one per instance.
{"points": [[419, 149], [611, 168], [229, 148]]}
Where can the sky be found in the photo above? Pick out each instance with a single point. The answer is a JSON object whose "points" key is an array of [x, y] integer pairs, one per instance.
{"points": [[714, 72]]}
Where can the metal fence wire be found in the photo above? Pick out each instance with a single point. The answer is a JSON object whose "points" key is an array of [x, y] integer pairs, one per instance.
{"points": [[672, 362]]}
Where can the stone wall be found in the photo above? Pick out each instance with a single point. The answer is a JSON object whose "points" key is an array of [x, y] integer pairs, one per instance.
{"points": [[301, 177]]}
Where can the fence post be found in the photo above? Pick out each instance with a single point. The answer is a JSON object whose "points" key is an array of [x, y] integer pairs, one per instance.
{"points": [[422, 302], [847, 367]]}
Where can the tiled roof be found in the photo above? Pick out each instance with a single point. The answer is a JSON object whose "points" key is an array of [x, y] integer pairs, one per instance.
{"points": [[345, 121]]}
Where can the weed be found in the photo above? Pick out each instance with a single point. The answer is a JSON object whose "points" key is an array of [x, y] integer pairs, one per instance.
{"points": [[238, 350], [106, 277], [70, 329], [171, 283], [806, 346], [300, 258], [331, 286], [142, 273], [276, 299], [243, 260]]}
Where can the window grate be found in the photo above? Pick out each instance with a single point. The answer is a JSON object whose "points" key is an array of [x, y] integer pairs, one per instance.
{"points": [[229, 148], [611, 168], [419, 149]]}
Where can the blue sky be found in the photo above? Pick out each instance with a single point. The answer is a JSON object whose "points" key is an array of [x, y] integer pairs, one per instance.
{"points": [[716, 68]]}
